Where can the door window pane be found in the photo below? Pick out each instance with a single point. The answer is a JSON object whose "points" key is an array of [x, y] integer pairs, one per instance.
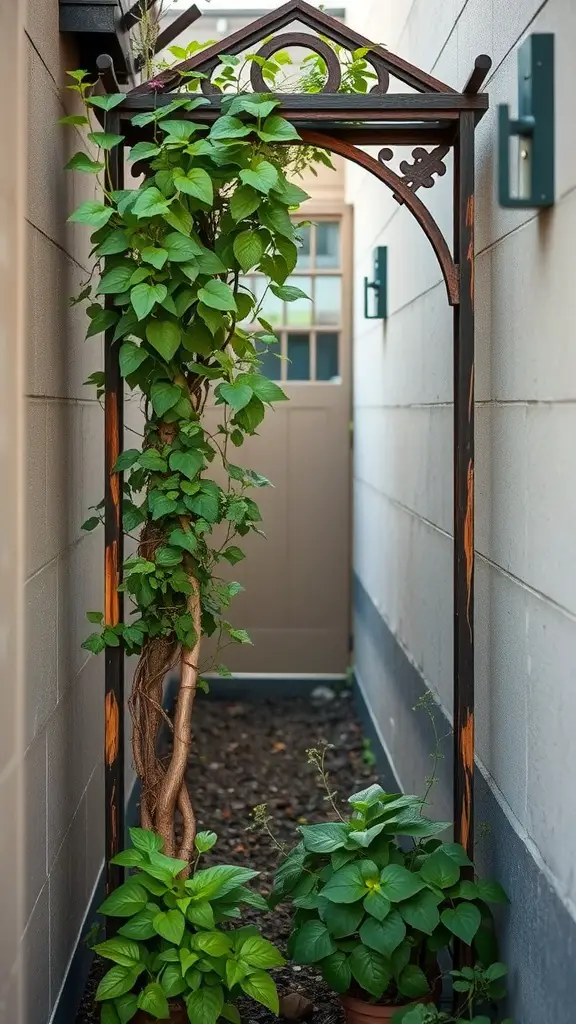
{"points": [[299, 313], [304, 249], [327, 356], [327, 245], [298, 357], [328, 300], [271, 308], [270, 361]]}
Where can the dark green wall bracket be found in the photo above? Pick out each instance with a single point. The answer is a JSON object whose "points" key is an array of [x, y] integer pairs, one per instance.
{"points": [[534, 128], [379, 286]]}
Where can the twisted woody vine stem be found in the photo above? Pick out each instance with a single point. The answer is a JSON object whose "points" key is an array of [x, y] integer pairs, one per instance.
{"points": [[169, 259]]}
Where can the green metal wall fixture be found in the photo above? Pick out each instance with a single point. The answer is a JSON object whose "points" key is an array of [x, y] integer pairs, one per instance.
{"points": [[534, 128], [379, 286]]}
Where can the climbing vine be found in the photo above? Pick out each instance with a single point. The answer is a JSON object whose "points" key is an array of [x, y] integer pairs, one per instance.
{"points": [[167, 285]]}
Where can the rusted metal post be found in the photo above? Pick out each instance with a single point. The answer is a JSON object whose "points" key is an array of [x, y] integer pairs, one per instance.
{"points": [[464, 487], [113, 600]]}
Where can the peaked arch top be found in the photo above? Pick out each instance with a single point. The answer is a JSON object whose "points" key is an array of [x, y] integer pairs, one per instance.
{"points": [[383, 61]]}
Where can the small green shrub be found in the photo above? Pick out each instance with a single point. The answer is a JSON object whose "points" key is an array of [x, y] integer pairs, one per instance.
{"points": [[373, 915], [175, 940]]}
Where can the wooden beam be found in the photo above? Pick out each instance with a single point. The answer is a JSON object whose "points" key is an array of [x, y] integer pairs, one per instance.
{"points": [[482, 66], [113, 560], [107, 74], [180, 24], [463, 706], [325, 107]]}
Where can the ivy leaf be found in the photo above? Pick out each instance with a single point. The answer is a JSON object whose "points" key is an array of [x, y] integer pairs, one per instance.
{"points": [[248, 249], [263, 177], [153, 1000], [491, 892], [336, 972], [179, 218], [440, 870], [156, 257], [312, 942], [150, 203], [341, 919], [288, 293], [101, 322], [371, 970], [181, 249], [152, 460], [218, 295], [397, 883], [144, 151], [160, 505], [464, 921], [164, 336], [264, 388], [131, 357], [325, 837], [181, 130], [82, 162], [412, 982], [421, 912], [197, 183], [260, 986], [228, 127], [205, 505], [126, 460], [204, 1006], [189, 463], [116, 280], [105, 140], [122, 951], [291, 194], [128, 899], [93, 213], [235, 395], [116, 241], [258, 952], [118, 981], [277, 220], [145, 296], [106, 102], [244, 202], [232, 555], [170, 925], [164, 395], [277, 129]]}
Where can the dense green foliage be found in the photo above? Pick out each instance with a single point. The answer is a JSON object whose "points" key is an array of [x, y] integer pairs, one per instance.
{"points": [[171, 943], [170, 255], [375, 914]]}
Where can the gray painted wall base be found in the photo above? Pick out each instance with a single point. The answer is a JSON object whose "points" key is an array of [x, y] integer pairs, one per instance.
{"points": [[537, 932]]}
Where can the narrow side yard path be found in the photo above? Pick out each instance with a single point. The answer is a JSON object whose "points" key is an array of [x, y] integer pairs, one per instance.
{"points": [[246, 754]]}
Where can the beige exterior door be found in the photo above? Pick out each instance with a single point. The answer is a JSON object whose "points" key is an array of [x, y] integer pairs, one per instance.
{"points": [[296, 603]]}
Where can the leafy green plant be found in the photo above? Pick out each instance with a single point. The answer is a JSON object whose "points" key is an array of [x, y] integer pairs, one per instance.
{"points": [[374, 914], [168, 285], [482, 989], [175, 940]]}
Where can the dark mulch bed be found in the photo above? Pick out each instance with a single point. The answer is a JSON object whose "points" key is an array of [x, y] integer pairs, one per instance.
{"points": [[247, 754]]}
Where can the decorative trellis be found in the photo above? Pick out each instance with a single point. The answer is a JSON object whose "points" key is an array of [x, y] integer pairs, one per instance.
{"points": [[433, 119]]}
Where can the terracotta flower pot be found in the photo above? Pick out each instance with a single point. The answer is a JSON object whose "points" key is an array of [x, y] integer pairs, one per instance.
{"points": [[178, 1015], [359, 1012]]}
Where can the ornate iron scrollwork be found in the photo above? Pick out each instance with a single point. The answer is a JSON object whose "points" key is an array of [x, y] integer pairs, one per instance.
{"points": [[425, 165], [307, 41]]}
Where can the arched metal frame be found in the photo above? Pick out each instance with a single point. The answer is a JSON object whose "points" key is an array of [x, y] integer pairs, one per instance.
{"points": [[434, 115]]}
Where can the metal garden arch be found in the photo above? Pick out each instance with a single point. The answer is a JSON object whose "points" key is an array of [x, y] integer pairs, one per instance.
{"points": [[435, 120]]}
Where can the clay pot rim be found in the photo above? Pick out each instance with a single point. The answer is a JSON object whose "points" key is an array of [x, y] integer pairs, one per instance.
{"points": [[378, 1009]]}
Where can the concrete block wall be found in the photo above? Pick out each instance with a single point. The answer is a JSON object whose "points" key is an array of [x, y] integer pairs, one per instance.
{"points": [[526, 419], [63, 692]]}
